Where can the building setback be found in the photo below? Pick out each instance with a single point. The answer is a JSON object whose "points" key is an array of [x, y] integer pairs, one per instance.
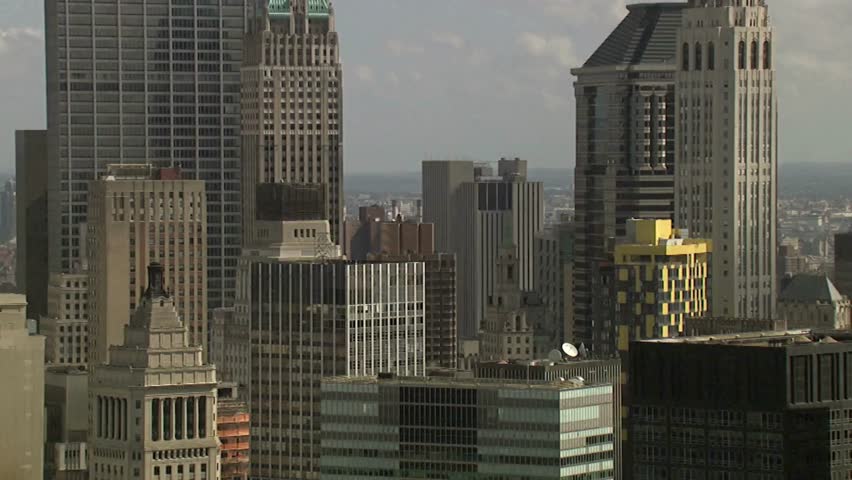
{"points": [[31, 269], [625, 150], [145, 81], [152, 407], [66, 325], [432, 427], [292, 105], [22, 401], [139, 215], [727, 149], [749, 405]]}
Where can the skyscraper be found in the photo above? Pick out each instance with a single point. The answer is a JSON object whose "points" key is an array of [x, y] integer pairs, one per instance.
{"points": [[31, 269], [145, 81], [292, 105], [152, 408], [625, 147], [476, 214], [22, 401], [727, 149], [8, 211], [139, 215]]}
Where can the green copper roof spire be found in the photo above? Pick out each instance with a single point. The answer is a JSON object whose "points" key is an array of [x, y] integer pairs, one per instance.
{"points": [[315, 7]]}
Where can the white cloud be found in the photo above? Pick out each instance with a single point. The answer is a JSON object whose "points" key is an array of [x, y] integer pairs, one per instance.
{"points": [[365, 73], [449, 39], [400, 48], [558, 48], [13, 38]]}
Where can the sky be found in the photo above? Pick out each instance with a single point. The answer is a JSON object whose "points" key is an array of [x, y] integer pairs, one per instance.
{"points": [[482, 79]]}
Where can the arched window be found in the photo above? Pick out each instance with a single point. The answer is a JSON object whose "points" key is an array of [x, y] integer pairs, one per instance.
{"points": [[685, 57], [767, 55], [754, 55], [699, 61], [741, 55], [711, 56]]}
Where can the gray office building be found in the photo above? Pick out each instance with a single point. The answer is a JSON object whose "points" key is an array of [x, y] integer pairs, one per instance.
{"points": [[145, 81], [476, 214], [390, 427], [625, 149]]}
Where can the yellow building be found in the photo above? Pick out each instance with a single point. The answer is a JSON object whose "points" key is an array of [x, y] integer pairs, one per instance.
{"points": [[661, 279]]}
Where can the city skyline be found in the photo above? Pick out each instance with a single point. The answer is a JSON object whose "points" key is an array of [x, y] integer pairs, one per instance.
{"points": [[516, 59]]}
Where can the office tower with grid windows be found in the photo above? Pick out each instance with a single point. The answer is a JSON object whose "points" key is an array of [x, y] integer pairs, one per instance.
{"points": [[139, 215], [727, 149], [625, 151], [66, 325], [292, 105], [145, 81], [152, 407]]}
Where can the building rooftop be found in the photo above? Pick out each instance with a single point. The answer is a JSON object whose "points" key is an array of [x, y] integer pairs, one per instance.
{"points": [[764, 339], [315, 7], [461, 380], [810, 288], [647, 35], [13, 299]]}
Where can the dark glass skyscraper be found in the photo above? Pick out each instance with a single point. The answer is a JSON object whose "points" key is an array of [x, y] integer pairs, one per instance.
{"points": [[145, 81]]}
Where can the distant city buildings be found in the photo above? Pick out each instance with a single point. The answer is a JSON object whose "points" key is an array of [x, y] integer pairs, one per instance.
{"points": [[625, 160], [476, 214], [661, 279], [138, 215], [371, 234], [22, 401], [152, 411], [8, 212], [727, 149], [466, 428], [746, 405], [66, 325], [31, 270], [554, 264], [159, 87], [292, 105], [812, 301]]}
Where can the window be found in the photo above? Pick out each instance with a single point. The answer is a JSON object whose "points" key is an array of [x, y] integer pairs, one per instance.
{"points": [[741, 54], [754, 55], [767, 55], [699, 54], [711, 56], [685, 57]]}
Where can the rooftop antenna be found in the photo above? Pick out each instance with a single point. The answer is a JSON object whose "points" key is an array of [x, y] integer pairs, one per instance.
{"points": [[555, 356], [570, 350]]}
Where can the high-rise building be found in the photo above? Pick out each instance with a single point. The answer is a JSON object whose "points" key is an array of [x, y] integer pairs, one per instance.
{"points": [[310, 314], [812, 301], [233, 423], [476, 214], [8, 211], [365, 237], [625, 147], [441, 306], [554, 263], [139, 215], [66, 423], [661, 279], [31, 269], [727, 149], [748, 405], [152, 407], [66, 325], [843, 263], [445, 427], [22, 401], [145, 82], [292, 105]]}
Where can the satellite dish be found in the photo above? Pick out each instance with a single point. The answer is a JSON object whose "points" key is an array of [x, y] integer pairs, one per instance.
{"points": [[555, 356], [570, 350]]}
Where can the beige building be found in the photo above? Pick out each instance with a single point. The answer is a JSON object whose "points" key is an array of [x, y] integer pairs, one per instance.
{"points": [[292, 106], [66, 405], [812, 301], [727, 149], [153, 405], [22, 400], [138, 215], [66, 326]]}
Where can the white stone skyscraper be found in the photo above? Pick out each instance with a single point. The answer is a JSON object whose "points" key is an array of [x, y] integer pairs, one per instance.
{"points": [[726, 161], [292, 105]]}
